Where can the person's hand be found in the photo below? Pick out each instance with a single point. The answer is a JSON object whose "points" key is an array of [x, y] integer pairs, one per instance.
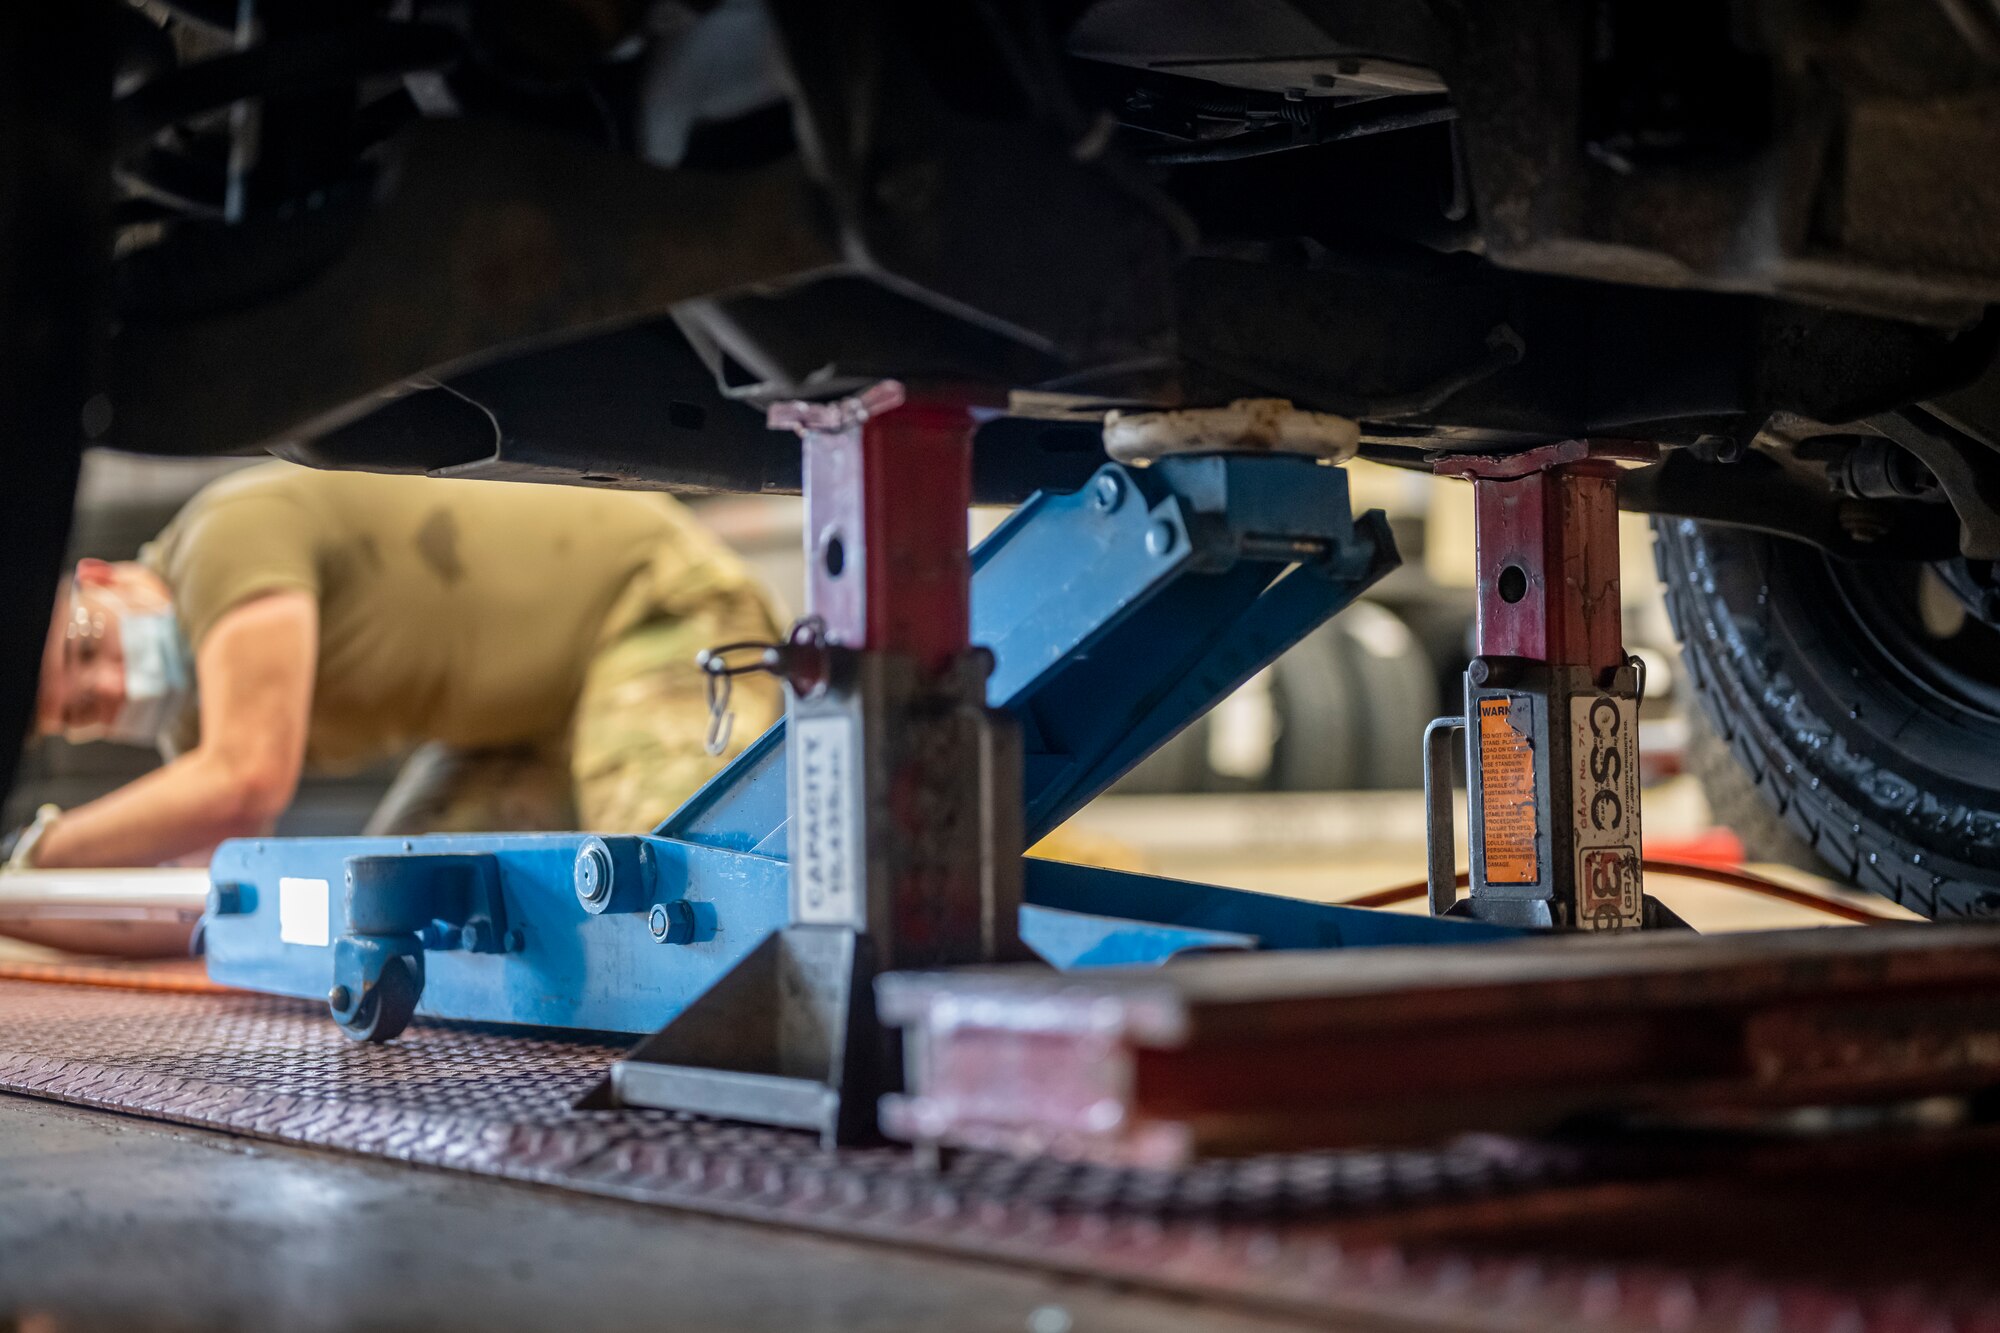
{"points": [[18, 851]]}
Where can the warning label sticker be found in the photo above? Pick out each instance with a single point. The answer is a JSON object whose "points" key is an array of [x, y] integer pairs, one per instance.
{"points": [[825, 841], [1604, 751], [1507, 788]]}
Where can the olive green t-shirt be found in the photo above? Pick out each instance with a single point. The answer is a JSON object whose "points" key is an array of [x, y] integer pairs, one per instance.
{"points": [[457, 611]]}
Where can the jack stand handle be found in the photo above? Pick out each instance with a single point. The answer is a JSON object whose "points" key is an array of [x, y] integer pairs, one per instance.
{"points": [[1440, 840]]}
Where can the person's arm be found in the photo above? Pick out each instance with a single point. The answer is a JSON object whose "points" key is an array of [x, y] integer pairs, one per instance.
{"points": [[256, 669]]}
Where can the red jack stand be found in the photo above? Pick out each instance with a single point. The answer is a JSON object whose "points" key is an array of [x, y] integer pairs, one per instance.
{"points": [[904, 794], [1551, 703]]}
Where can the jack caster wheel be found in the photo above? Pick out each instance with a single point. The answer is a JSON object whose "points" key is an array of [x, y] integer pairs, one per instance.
{"points": [[387, 1009]]}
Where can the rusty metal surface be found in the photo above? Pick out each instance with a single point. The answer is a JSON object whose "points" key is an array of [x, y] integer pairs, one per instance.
{"points": [[1558, 527], [1513, 467], [1282, 1052], [1402, 1234]]}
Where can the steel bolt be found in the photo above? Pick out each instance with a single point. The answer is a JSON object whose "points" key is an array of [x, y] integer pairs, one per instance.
{"points": [[1160, 538], [470, 937], [514, 941], [1110, 489], [339, 999], [593, 875], [672, 923]]}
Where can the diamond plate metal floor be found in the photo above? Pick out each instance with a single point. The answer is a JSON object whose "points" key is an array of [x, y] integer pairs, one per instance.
{"points": [[1413, 1235]]}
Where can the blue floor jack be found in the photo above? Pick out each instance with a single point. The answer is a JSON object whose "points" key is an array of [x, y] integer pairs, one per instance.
{"points": [[945, 710]]}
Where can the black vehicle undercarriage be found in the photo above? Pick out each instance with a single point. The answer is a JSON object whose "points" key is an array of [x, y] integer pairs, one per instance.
{"points": [[1491, 225], [586, 240]]}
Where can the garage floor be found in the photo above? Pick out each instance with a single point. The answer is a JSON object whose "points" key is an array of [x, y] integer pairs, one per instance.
{"points": [[1815, 1224], [110, 1222]]}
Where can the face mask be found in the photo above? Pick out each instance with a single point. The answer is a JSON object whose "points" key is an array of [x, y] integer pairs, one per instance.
{"points": [[159, 677]]}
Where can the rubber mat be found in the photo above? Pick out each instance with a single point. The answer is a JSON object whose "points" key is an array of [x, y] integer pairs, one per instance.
{"points": [[1303, 1232]]}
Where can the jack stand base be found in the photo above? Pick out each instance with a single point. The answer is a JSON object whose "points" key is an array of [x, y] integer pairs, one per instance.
{"points": [[1529, 914], [775, 1041]]}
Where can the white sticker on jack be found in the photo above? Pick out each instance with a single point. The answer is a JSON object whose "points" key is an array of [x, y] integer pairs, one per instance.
{"points": [[1604, 752], [826, 835], [305, 912]]}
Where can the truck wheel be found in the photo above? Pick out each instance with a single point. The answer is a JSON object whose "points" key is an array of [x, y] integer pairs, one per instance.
{"points": [[1861, 700], [1739, 804]]}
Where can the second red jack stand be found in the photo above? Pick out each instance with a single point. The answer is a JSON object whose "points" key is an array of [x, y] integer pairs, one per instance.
{"points": [[1551, 720]]}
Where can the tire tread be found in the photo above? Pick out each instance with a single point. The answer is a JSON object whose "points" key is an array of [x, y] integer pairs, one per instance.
{"points": [[1742, 699]]}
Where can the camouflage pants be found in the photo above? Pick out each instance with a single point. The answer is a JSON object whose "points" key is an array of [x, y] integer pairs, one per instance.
{"points": [[636, 745]]}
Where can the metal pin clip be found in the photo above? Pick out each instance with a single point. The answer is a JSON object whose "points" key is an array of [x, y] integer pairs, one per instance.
{"points": [[718, 672], [800, 660]]}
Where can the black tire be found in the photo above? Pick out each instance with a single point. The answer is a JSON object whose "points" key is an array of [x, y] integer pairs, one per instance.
{"points": [[1179, 766], [1395, 693], [1353, 700], [386, 1010], [1320, 739], [1739, 804], [1879, 748]]}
